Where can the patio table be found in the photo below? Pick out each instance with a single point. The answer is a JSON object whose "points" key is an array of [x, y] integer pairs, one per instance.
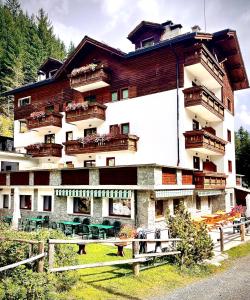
{"points": [[72, 224], [101, 226], [36, 220]]}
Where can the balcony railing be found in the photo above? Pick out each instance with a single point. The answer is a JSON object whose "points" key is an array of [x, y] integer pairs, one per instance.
{"points": [[49, 119], [209, 180], [203, 140], [89, 77], [200, 54], [92, 111], [199, 95], [118, 143], [44, 150]]}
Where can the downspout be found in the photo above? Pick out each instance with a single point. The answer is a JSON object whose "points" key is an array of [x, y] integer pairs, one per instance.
{"points": [[177, 104]]}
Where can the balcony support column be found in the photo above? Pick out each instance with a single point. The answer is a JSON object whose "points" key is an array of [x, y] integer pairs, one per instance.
{"points": [[16, 209]]}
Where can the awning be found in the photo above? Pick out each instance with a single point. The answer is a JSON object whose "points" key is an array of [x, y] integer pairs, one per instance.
{"points": [[173, 193], [125, 194], [209, 193]]}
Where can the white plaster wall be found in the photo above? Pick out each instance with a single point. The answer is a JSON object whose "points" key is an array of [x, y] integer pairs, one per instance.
{"points": [[227, 199], [25, 163]]}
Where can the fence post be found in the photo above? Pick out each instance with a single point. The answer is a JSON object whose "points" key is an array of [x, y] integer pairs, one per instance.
{"points": [[40, 266], [221, 239], [51, 255], [135, 251], [31, 249], [242, 232]]}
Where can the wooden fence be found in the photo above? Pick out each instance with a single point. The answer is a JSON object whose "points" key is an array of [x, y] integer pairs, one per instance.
{"points": [[242, 232], [40, 256], [135, 260]]}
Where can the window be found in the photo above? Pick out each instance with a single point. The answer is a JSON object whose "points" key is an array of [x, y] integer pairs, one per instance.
{"points": [[198, 203], [195, 125], [120, 207], [47, 200], [52, 73], [89, 131], [49, 139], [23, 126], [231, 199], [81, 205], [176, 204], [159, 208], [24, 101], [114, 129], [5, 201], [25, 202], [229, 136], [229, 104], [90, 98], [147, 43], [110, 161], [89, 163], [230, 166], [114, 96], [196, 162], [125, 128], [124, 94], [69, 136]]}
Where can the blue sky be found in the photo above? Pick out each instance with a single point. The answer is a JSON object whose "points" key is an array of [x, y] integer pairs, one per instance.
{"points": [[110, 21]]}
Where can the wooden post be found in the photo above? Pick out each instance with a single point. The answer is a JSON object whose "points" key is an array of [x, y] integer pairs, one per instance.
{"points": [[51, 255], [242, 232], [135, 251], [31, 248], [40, 265], [221, 239]]}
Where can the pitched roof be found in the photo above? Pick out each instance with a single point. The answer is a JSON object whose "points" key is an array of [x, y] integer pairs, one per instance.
{"points": [[145, 24]]}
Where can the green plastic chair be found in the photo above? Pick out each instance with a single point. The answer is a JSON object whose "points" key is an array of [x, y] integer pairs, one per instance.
{"points": [[83, 230], [98, 233]]}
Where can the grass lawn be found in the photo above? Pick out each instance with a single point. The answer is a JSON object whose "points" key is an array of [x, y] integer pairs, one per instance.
{"points": [[118, 282]]}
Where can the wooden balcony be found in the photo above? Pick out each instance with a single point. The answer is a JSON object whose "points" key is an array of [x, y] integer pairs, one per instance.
{"points": [[94, 113], [204, 142], [44, 150], [203, 66], [89, 78], [209, 180], [49, 121], [120, 142], [203, 103]]}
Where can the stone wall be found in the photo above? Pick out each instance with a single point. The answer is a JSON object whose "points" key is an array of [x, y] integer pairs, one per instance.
{"points": [[218, 203]]}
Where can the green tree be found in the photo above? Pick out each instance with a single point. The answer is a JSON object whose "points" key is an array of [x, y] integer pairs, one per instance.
{"points": [[242, 151], [71, 48]]}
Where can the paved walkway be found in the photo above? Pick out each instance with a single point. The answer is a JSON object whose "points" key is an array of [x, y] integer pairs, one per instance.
{"points": [[234, 284]]}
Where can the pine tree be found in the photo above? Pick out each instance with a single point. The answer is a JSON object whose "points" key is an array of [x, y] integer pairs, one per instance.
{"points": [[71, 48]]}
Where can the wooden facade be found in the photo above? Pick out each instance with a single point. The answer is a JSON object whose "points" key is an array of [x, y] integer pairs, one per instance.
{"points": [[19, 178], [49, 119], [75, 177], [209, 180], [2, 179], [120, 142], [44, 150], [42, 178], [94, 111], [118, 176], [196, 139]]}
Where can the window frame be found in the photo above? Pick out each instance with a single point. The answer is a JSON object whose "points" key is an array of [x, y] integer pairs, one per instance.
{"points": [[108, 160], [78, 212], [157, 202], [67, 136], [4, 201], [195, 124], [94, 129], [122, 127], [229, 104], [50, 203], [49, 136], [111, 205], [89, 161], [198, 160], [20, 202], [229, 136], [146, 40], [117, 94], [121, 94], [230, 166], [20, 126], [20, 100]]}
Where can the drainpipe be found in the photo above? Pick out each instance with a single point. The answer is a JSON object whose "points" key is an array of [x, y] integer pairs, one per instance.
{"points": [[177, 104]]}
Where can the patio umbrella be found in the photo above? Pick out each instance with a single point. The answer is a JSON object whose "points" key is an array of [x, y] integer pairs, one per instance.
{"points": [[248, 206], [16, 211]]}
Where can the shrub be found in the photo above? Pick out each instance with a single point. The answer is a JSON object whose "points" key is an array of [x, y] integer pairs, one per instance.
{"points": [[196, 244], [24, 282]]}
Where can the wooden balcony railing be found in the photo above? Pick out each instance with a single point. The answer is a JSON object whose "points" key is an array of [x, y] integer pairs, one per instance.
{"points": [[93, 111], [81, 77], [117, 143], [43, 150], [200, 95], [200, 54], [203, 139], [209, 180], [50, 119]]}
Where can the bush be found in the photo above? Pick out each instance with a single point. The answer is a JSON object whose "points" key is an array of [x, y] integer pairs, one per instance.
{"points": [[196, 244], [24, 282]]}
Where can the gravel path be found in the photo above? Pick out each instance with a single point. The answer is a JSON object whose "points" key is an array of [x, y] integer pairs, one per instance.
{"points": [[234, 284]]}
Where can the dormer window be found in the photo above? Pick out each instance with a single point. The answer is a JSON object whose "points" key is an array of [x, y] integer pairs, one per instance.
{"points": [[52, 73], [147, 43], [24, 101]]}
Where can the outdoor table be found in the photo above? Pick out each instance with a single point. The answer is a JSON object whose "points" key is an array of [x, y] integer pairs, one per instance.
{"points": [[7, 219], [101, 226], [36, 220], [72, 224]]}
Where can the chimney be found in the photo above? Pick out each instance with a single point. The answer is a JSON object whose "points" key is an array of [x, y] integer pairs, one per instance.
{"points": [[196, 28]]}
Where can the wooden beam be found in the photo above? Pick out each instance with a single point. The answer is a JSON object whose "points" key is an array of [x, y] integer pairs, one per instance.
{"points": [[157, 254], [113, 241], [135, 250], [99, 264], [19, 240]]}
